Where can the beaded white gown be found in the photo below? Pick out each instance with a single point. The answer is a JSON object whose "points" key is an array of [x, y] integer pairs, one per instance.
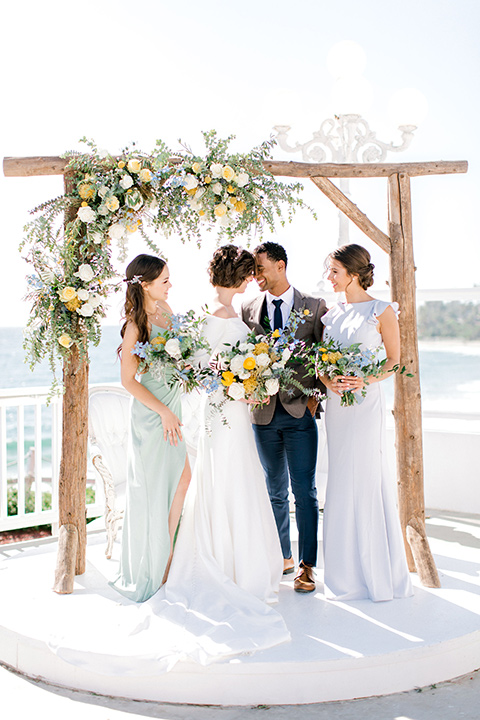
{"points": [[226, 568], [364, 552]]}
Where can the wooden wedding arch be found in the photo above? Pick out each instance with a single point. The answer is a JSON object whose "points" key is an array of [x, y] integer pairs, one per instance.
{"points": [[407, 404]]}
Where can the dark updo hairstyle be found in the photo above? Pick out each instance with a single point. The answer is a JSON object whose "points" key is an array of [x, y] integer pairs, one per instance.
{"points": [[273, 251], [144, 268], [356, 261], [230, 266]]}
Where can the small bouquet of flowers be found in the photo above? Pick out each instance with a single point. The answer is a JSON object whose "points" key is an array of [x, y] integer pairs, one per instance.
{"points": [[258, 368], [330, 359], [172, 355]]}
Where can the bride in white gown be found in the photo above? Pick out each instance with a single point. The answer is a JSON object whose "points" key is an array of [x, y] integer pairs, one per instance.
{"points": [[227, 563]]}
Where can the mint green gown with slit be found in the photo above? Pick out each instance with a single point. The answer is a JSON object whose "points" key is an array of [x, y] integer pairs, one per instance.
{"points": [[155, 468]]}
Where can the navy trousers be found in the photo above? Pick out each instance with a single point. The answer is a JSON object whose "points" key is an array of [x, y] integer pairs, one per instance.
{"points": [[287, 448]]}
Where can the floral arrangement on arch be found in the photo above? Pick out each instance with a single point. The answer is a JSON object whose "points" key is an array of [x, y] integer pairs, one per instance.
{"points": [[231, 193], [108, 198]]}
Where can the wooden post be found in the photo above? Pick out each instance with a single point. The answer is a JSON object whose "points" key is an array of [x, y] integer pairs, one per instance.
{"points": [[73, 464], [407, 403]]}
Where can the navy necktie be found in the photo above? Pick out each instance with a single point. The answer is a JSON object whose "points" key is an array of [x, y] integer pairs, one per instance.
{"points": [[277, 315]]}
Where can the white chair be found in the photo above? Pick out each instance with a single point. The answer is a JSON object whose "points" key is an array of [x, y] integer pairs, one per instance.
{"points": [[108, 428]]}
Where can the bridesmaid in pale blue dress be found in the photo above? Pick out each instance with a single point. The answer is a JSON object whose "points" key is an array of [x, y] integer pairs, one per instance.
{"points": [[159, 472], [363, 545]]}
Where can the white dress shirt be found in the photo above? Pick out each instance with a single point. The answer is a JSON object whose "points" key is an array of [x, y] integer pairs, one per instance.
{"points": [[285, 307]]}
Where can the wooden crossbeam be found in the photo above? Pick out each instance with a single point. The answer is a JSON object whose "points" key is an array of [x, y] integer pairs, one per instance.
{"points": [[352, 212], [29, 166]]}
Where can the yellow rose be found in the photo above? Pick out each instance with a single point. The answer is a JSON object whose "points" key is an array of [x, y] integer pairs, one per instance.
{"points": [[249, 384], [260, 348], [67, 294], [230, 189], [306, 312], [112, 203], [159, 340], [201, 213], [84, 204], [134, 166], [228, 378], [240, 207], [131, 227], [249, 363], [276, 333], [86, 191], [207, 179], [332, 357], [72, 305], [196, 167], [65, 340], [121, 164], [192, 191], [220, 210], [145, 175], [325, 357], [228, 173]]}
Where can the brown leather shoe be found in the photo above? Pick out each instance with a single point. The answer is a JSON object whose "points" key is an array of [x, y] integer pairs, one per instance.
{"points": [[305, 579], [288, 566]]}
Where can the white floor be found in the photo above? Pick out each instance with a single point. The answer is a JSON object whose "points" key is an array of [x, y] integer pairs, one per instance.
{"points": [[338, 650]]}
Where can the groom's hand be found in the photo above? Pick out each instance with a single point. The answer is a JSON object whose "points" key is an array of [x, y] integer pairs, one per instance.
{"points": [[312, 404]]}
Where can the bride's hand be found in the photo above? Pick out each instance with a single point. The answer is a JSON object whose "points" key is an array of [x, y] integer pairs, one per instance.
{"points": [[256, 402], [340, 384], [171, 426]]}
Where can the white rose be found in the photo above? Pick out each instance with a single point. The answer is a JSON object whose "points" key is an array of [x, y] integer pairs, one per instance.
{"points": [[86, 214], [262, 360], [85, 273], [200, 193], [103, 210], [103, 191], [216, 170], [172, 347], [83, 295], [96, 300], [116, 231], [242, 179], [286, 355], [96, 237], [86, 310], [244, 374], [277, 366], [236, 390], [246, 347], [236, 364], [126, 182], [272, 386], [190, 182], [217, 188], [194, 204]]}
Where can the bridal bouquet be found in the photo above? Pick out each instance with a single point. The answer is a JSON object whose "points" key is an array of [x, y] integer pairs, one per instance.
{"points": [[330, 359], [171, 355], [257, 368]]}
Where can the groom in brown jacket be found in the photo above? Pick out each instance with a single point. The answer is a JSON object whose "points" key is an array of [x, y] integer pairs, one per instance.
{"points": [[285, 429]]}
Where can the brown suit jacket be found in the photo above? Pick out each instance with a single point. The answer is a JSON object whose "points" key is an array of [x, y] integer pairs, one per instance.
{"points": [[253, 315]]}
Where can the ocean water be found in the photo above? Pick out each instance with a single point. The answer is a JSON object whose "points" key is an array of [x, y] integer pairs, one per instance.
{"points": [[449, 378]]}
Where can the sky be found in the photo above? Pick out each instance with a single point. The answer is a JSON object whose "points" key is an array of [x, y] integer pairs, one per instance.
{"points": [[120, 71]]}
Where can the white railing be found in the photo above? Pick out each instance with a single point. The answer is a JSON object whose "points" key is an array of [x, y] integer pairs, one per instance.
{"points": [[30, 449]]}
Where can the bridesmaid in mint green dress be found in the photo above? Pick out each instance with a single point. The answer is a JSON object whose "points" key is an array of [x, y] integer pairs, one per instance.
{"points": [[159, 471]]}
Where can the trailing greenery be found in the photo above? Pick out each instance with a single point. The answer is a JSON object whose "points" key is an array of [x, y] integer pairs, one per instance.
{"points": [[453, 319], [108, 199]]}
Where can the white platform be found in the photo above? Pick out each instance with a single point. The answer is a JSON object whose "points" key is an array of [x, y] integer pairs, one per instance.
{"points": [[338, 650]]}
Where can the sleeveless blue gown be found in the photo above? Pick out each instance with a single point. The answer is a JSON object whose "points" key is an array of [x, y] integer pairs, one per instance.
{"points": [[155, 468]]}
